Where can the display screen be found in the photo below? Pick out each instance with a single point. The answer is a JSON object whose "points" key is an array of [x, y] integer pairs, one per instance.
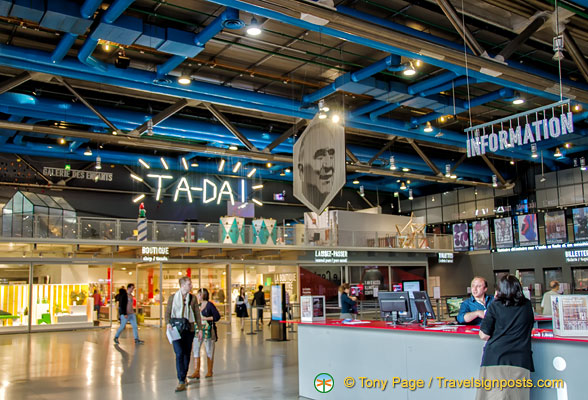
{"points": [[355, 290], [503, 232], [453, 306], [580, 216], [461, 237], [555, 227], [481, 235], [411, 286], [528, 235], [276, 302], [318, 307]]}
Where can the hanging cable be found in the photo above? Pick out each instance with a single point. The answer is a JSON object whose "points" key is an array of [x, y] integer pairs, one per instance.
{"points": [[465, 52]]}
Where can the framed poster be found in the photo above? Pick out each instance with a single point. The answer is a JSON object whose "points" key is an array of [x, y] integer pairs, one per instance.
{"points": [[461, 237], [481, 235], [555, 227], [503, 232], [580, 216], [528, 235]]}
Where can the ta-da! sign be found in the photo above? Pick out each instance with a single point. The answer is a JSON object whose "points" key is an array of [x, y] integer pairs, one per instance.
{"points": [[530, 127]]}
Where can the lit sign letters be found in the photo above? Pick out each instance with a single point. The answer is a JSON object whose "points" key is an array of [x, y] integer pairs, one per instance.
{"points": [[210, 190], [154, 253], [445, 258], [577, 256], [330, 256], [78, 174]]}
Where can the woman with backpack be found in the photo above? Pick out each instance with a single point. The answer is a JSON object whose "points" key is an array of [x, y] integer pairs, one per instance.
{"points": [[210, 316]]}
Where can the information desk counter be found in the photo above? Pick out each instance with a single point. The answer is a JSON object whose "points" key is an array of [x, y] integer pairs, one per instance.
{"points": [[444, 357]]}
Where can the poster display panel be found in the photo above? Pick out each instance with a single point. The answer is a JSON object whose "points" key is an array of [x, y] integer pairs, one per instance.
{"points": [[481, 235], [555, 227], [580, 216], [528, 235], [461, 237], [503, 232]]}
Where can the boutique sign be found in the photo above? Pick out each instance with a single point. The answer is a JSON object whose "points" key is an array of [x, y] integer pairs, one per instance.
{"points": [[522, 129]]}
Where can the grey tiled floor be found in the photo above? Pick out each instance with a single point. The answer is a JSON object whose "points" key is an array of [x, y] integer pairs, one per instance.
{"points": [[85, 365]]}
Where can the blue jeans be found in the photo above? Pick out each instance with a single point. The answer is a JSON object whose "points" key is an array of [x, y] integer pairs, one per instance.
{"points": [[183, 348], [132, 318]]}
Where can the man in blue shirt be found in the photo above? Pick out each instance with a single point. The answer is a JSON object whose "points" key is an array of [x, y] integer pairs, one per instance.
{"points": [[472, 310]]}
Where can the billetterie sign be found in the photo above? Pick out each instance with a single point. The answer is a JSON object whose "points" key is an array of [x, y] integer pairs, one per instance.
{"points": [[521, 135]]}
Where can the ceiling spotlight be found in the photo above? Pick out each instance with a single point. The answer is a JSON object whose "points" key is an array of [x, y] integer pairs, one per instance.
{"points": [[402, 186], [88, 152], [335, 118], [405, 169], [233, 147], [410, 194], [143, 163], [453, 176], [282, 173], [568, 145], [250, 174], [237, 166], [558, 153], [221, 165], [355, 182], [392, 163], [494, 181], [322, 115], [138, 198], [257, 187], [185, 163], [534, 151], [410, 70], [582, 163], [115, 133], [577, 107], [512, 162], [361, 191], [106, 46], [164, 163], [61, 141], [287, 170], [184, 80], [269, 165], [447, 170], [194, 165], [98, 163], [137, 178], [428, 127], [442, 119], [253, 29], [259, 203], [518, 101], [122, 61]]}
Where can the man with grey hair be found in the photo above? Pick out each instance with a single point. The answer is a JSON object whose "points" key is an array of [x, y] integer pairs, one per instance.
{"points": [[183, 313], [546, 300]]}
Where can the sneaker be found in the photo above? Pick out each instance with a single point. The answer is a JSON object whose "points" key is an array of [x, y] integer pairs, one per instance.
{"points": [[181, 387], [116, 340], [139, 341]]}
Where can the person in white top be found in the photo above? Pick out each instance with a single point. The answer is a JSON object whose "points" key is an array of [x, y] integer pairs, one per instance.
{"points": [[546, 301]]}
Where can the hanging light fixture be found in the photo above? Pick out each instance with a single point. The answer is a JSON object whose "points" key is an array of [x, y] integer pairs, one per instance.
{"points": [[88, 152], [558, 46], [410, 194], [582, 163], [402, 186], [518, 101], [558, 153], [494, 181], [253, 29], [184, 80], [335, 118], [512, 162], [410, 70], [428, 127], [361, 191], [543, 179], [392, 163], [534, 151], [98, 162], [447, 170], [233, 147], [323, 110], [355, 182]]}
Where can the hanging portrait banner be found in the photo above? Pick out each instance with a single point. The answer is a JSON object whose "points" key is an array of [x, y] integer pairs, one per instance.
{"points": [[522, 129], [319, 163]]}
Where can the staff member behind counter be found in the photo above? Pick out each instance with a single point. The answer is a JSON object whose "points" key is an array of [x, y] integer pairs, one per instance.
{"points": [[473, 309]]}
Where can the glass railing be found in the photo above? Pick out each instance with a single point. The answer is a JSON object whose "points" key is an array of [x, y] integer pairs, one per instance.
{"points": [[91, 228]]}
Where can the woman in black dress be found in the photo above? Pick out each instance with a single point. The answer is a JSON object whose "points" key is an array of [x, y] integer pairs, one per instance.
{"points": [[241, 307], [507, 328]]}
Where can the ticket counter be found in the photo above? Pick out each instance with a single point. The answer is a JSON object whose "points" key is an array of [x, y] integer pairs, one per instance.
{"points": [[441, 358]]}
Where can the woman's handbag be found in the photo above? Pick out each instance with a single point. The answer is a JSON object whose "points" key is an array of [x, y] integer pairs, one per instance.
{"points": [[181, 324]]}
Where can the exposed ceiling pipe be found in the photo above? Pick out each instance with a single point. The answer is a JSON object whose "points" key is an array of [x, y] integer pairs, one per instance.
{"points": [[162, 116], [463, 30], [515, 44], [576, 54]]}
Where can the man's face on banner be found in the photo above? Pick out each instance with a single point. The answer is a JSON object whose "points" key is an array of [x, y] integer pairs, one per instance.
{"points": [[320, 169]]}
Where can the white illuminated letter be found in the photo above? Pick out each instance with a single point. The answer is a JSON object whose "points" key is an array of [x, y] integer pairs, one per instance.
{"points": [[159, 181], [243, 198], [228, 191], [206, 183], [183, 187]]}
